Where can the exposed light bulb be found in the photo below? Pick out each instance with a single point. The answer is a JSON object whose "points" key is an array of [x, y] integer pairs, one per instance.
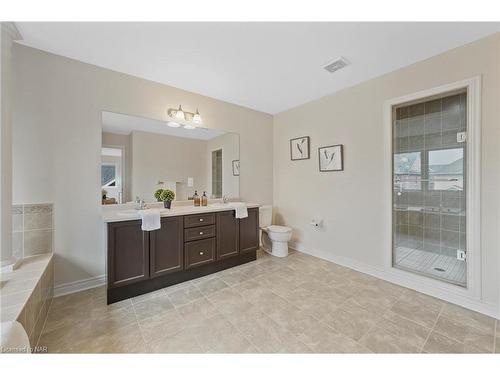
{"points": [[197, 118], [179, 115]]}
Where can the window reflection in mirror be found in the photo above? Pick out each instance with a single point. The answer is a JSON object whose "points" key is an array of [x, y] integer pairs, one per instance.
{"points": [[111, 175]]}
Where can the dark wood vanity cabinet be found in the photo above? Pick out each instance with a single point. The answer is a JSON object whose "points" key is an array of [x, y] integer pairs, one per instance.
{"points": [[128, 253], [249, 231], [184, 248], [227, 234], [165, 246]]}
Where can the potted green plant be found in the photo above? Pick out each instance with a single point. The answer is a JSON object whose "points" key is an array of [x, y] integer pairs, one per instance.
{"points": [[167, 196], [157, 194]]}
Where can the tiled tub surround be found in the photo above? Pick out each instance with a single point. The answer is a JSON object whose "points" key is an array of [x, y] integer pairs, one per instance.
{"points": [[26, 294], [33, 229], [298, 304]]}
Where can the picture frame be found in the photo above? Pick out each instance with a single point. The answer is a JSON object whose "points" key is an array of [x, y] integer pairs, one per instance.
{"points": [[300, 148], [331, 158], [236, 167]]}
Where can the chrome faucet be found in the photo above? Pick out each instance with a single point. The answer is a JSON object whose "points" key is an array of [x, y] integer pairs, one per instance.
{"points": [[225, 199], [141, 204]]}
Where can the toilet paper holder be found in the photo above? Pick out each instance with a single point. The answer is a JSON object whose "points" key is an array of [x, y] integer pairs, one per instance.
{"points": [[316, 223]]}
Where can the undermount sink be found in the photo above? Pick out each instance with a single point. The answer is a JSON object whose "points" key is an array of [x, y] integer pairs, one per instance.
{"points": [[127, 213], [219, 204]]}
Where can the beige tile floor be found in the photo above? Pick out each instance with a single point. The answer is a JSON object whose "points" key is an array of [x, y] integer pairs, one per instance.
{"points": [[299, 304]]}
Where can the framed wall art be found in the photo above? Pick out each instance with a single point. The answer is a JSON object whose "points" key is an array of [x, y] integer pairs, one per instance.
{"points": [[331, 158], [299, 148]]}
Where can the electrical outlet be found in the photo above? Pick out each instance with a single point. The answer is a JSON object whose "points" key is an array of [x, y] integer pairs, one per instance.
{"points": [[461, 255]]}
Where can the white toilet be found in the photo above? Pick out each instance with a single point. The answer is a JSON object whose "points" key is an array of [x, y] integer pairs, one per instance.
{"points": [[274, 238]]}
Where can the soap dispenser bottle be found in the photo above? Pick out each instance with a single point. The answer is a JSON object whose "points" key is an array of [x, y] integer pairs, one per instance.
{"points": [[204, 199], [196, 198]]}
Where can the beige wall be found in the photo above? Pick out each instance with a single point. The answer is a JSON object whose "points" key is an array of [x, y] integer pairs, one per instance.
{"points": [[158, 157], [124, 142], [8, 33], [57, 140], [354, 228]]}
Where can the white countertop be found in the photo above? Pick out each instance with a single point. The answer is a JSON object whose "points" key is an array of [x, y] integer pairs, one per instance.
{"points": [[130, 213]]}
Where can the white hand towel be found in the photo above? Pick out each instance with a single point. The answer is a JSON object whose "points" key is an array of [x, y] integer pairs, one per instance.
{"points": [[150, 219], [240, 209]]}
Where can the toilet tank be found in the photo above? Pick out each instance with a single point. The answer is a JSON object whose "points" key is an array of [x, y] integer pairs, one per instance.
{"points": [[265, 216]]}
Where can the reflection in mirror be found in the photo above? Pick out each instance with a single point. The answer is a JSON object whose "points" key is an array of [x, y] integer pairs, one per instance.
{"points": [[142, 155]]}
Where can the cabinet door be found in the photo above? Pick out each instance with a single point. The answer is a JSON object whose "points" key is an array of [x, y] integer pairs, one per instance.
{"points": [[227, 234], [166, 246], [249, 231], [128, 253]]}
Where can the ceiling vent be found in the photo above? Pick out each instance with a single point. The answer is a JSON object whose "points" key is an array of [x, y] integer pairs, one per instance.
{"points": [[335, 65]]}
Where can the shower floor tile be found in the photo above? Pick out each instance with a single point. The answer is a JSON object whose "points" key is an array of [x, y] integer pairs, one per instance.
{"points": [[436, 265]]}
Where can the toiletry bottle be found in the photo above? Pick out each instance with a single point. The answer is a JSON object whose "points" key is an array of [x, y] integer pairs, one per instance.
{"points": [[204, 199], [196, 198]]}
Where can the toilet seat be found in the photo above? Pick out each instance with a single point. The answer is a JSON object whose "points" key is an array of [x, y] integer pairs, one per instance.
{"points": [[278, 229]]}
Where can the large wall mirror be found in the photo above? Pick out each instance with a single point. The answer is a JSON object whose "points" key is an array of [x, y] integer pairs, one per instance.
{"points": [[139, 156]]}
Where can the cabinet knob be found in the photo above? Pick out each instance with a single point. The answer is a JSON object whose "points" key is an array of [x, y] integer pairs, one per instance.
{"points": [[201, 219], [201, 232], [201, 252]]}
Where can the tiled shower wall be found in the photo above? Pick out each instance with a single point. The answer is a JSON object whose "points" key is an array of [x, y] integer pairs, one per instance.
{"points": [[33, 229], [426, 219]]}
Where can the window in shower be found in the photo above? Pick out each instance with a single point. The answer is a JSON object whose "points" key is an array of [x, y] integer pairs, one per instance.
{"points": [[429, 179]]}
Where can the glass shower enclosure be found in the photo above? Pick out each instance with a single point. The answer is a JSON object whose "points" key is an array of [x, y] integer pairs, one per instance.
{"points": [[429, 145]]}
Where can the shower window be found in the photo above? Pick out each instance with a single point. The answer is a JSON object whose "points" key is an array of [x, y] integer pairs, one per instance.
{"points": [[408, 171], [429, 176], [446, 169]]}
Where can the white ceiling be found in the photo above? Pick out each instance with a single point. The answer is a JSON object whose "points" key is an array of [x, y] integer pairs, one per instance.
{"points": [[269, 67], [124, 124]]}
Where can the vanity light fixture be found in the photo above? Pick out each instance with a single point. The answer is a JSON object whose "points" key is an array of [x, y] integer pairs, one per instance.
{"points": [[187, 119]]}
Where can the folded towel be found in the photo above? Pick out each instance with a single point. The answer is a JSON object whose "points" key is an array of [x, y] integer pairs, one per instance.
{"points": [[150, 219], [240, 209]]}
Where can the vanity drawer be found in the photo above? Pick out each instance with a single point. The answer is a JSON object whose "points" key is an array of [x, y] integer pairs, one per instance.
{"points": [[199, 233], [199, 252], [198, 220]]}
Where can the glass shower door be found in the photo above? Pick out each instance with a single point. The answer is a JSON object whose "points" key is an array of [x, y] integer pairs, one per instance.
{"points": [[429, 182]]}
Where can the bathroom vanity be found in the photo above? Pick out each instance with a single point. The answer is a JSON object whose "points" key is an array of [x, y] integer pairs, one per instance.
{"points": [[192, 242]]}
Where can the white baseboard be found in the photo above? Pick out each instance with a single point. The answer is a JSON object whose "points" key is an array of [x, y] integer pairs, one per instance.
{"points": [[78, 286], [404, 279]]}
